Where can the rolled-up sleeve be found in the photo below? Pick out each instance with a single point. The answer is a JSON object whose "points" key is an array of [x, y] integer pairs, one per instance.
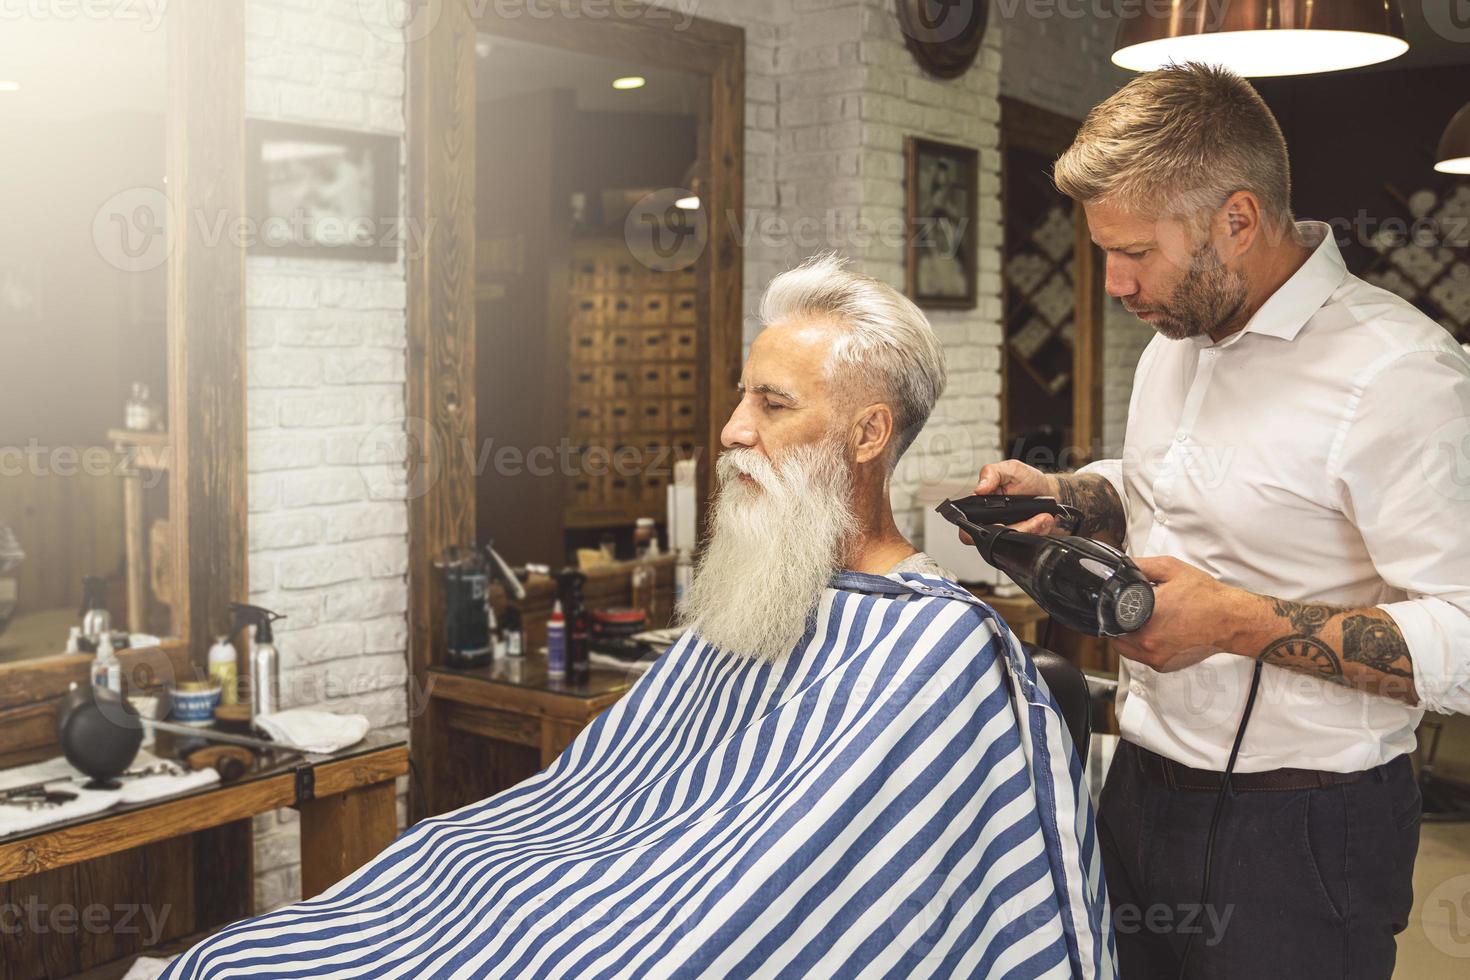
{"points": [[1402, 464]]}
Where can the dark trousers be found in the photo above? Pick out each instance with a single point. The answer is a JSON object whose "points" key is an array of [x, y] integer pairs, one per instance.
{"points": [[1306, 883]]}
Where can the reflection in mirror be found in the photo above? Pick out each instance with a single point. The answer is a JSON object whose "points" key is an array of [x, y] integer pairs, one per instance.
{"points": [[84, 489], [589, 268]]}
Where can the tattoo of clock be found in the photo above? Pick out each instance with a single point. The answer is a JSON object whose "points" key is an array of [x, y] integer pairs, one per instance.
{"points": [[1376, 643], [1304, 653]]}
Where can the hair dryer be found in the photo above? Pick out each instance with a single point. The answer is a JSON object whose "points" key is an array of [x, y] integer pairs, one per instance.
{"points": [[1082, 584]]}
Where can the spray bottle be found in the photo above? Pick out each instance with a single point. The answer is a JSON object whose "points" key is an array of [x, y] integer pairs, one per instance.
{"points": [[265, 672]]}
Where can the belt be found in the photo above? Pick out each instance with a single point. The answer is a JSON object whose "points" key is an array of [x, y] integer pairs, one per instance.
{"points": [[1178, 776]]}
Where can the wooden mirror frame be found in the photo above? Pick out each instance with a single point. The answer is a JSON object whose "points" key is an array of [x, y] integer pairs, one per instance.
{"points": [[441, 279], [205, 133]]}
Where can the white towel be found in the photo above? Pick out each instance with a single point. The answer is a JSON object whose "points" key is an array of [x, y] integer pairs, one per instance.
{"points": [[58, 774], [314, 731]]}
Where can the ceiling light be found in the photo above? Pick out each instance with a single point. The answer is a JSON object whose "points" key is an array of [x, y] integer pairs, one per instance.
{"points": [[7, 85], [629, 82], [1454, 146], [690, 203], [1259, 38]]}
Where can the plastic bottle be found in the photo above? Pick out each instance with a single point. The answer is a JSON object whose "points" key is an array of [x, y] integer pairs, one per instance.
{"points": [[645, 577], [223, 670], [556, 644], [106, 668]]}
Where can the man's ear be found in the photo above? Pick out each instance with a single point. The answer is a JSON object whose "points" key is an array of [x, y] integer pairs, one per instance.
{"points": [[1237, 226], [872, 431]]}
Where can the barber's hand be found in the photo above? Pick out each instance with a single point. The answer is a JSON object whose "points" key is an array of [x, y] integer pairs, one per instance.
{"points": [[1014, 478], [1192, 614]]}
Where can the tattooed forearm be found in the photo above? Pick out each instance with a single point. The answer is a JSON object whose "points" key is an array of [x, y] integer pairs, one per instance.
{"points": [[1102, 511], [1361, 648]]}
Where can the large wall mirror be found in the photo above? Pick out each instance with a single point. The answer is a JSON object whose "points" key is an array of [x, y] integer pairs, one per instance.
{"points": [[122, 329], [84, 489]]}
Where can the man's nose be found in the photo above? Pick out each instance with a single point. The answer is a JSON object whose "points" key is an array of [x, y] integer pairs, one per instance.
{"points": [[1119, 282], [740, 429]]}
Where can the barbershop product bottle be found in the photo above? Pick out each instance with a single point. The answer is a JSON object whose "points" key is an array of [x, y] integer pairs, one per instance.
{"points": [[645, 576], [556, 644], [106, 668], [579, 664], [515, 635], [265, 673], [96, 620], [223, 671]]}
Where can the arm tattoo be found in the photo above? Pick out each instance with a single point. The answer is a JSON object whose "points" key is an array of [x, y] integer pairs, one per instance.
{"points": [[1358, 648], [1305, 617], [1094, 496], [1376, 643]]}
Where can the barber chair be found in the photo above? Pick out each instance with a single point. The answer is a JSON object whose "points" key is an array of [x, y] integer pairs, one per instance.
{"points": [[1069, 687]]}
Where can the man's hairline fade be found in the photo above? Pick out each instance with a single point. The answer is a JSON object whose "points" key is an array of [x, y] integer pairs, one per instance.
{"points": [[1145, 150]]}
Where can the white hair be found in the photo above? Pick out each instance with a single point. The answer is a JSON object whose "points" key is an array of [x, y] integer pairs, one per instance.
{"points": [[886, 342]]}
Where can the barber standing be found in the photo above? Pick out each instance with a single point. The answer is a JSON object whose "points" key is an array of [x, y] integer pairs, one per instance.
{"points": [[1290, 481]]}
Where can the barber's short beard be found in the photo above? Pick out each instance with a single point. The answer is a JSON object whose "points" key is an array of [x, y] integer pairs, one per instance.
{"points": [[772, 549], [1206, 299]]}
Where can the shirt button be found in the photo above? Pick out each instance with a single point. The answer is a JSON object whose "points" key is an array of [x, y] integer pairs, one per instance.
{"points": [[1160, 518], [1180, 436]]}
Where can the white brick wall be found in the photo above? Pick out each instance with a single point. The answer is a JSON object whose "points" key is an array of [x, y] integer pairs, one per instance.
{"points": [[327, 353]]}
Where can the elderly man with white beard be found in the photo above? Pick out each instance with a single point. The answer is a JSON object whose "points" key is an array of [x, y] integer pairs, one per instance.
{"points": [[845, 767]]}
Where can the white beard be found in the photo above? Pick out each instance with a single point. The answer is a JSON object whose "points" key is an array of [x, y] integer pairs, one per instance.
{"points": [[771, 550]]}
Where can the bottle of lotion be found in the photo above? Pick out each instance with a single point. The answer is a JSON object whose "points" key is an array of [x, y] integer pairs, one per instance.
{"points": [[556, 644], [106, 668]]}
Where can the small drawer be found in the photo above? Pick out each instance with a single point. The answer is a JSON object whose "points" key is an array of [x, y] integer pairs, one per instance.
{"points": [[683, 446], [624, 272], [588, 418], [588, 347], [681, 379], [682, 416], [622, 346], [584, 274], [653, 414], [655, 309], [620, 489], [654, 493], [653, 344], [686, 278], [588, 310], [588, 383], [653, 379], [620, 381], [585, 490], [684, 308], [620, 415], [623, 310], [683, 343]]}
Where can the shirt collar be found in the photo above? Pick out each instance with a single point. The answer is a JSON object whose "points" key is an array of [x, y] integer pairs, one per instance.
{"points": [[1288, 309]]}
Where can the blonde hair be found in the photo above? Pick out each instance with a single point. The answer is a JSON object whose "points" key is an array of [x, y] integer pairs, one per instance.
{"points": [[1177, 142], [887, 338]]}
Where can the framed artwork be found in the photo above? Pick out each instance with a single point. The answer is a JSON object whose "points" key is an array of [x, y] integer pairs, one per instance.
{"points": [[941, 187], [319, 192]]}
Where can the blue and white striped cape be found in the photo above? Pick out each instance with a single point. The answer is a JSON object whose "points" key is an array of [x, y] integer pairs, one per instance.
{"points": [[898, 798]]}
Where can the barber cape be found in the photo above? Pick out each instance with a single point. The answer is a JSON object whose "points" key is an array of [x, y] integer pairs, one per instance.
{"points": [[897, 798]]}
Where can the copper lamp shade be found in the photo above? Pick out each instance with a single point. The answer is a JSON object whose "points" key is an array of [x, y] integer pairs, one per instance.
{"points": [[1258, 38], [1454, 146]]}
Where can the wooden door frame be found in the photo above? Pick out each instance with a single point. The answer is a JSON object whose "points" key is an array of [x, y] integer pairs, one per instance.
{"points": [[205, 153], [441, 304], [1041, 131]]}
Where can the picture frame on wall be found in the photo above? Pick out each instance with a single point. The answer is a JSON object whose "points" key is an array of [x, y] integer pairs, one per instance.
{"points": [[318, 192], [941, 187]]}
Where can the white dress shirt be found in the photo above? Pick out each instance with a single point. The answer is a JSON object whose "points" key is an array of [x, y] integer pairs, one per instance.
{"points": [[1321, 454]]}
